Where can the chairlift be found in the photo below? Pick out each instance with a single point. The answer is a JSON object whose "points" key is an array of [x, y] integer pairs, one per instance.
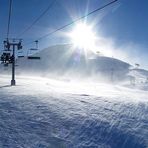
{"points": [[31, 54], [32, 51], [20, 54], [6, 57]]}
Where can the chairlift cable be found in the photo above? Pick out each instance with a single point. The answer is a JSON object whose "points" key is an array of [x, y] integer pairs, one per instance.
{"points": [[9, 18], [73, 22], [38, 18]]}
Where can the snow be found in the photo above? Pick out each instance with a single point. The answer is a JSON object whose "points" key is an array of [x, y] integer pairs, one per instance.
{"points": [[48, 113], [65, 100]]}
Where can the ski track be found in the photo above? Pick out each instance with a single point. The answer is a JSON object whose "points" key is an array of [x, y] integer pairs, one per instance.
{"points": [[49, 114]]}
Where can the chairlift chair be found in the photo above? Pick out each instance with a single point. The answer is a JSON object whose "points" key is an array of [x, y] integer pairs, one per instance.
{"points": [[31, 56]]}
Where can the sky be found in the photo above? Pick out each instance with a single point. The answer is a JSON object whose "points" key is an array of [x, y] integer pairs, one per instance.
{"points": [[121, 27]]}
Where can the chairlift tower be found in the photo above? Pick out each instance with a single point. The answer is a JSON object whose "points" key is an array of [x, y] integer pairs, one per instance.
{"points": [[15, 43]]}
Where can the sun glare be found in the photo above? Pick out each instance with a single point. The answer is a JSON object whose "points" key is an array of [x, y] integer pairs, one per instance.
{"points": [[83, 37]]}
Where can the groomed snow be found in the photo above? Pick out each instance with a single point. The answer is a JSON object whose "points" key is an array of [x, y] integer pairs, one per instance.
{"points": [[45, 113]]}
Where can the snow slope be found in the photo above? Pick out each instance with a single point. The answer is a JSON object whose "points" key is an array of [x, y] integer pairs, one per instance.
{"points": [[46, 113]]}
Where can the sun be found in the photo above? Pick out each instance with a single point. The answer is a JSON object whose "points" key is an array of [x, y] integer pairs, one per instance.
{"points": [[82, 36]]}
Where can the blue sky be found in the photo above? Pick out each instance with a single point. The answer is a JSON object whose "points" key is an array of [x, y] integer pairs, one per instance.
{"points": [[125, 22]]}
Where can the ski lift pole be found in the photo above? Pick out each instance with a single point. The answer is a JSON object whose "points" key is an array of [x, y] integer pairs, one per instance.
{"points": [[19, 46], [7, 46], [13, 67]]}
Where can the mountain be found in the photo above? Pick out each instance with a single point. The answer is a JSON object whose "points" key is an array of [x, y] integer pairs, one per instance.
{"points": [[70, 63]]}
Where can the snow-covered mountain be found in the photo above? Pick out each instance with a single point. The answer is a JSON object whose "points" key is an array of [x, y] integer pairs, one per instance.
{"points": [[69, 63]]}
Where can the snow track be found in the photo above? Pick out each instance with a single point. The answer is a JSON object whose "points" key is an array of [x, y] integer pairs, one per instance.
{"points": [[43, 113]]}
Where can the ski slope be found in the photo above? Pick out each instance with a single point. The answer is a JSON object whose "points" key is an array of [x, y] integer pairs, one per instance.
{"points": [[48, 113]]}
